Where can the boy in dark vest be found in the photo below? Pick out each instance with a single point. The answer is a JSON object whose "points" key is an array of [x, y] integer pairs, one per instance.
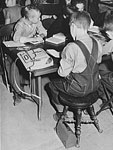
{"points": [[106, 66], [78, 70]]}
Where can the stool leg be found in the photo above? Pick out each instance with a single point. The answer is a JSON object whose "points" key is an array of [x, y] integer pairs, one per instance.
{"points": [[78, 115], [94, 118], [63, 115]]}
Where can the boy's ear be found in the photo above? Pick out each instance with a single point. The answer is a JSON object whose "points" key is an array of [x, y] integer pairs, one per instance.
{"points": [[73, 30]]}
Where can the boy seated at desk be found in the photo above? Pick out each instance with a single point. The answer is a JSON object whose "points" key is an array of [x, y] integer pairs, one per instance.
{"points": [[106, 67], [29, 28], [73, 62]]}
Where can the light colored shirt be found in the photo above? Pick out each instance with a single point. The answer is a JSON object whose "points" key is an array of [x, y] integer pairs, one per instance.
{"points": [[108, 47], [23, 29], [12, 14], [72, 58]]}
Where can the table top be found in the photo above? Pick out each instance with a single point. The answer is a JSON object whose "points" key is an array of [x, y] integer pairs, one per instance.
{"points": [[12, 52]]}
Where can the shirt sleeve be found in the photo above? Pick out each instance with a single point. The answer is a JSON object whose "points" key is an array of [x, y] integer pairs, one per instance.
{"points": [[99, 52], [108, 48], [18, 32], [41, 29], [67, 61]]}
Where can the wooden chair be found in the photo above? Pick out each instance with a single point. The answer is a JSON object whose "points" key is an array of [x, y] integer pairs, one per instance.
{"points": [[5, 35], [6, 31], [108, 91], [77, 105], [107, 83]]}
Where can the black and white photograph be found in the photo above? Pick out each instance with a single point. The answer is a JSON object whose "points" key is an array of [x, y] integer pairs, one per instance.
{"points": [[56, 75]]}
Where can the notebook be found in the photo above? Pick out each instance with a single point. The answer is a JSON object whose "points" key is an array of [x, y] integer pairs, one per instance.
{"points": [[13, 44], [35, 59], [53, 52], [60, 36], [56, 39]]}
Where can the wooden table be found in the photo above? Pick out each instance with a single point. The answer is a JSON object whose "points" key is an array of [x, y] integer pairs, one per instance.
{"points": [[36, 76], [37, 84]]}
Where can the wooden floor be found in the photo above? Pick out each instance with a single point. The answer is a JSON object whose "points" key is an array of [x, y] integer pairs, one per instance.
{"points": [[21, 130]]}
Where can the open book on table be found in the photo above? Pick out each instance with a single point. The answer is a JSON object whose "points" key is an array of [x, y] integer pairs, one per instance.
{"points": [[58, 38], [53, 53], [13, 44], [35, 59]]}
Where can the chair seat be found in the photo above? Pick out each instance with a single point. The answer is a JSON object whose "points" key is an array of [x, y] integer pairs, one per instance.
{"points": [[78, 102]]}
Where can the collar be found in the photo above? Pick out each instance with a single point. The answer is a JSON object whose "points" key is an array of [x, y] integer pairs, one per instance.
{"points": [[81, 37], [26, 22]]}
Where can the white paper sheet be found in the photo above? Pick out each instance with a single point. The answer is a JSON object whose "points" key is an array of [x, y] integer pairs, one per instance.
{"points": [[53, 53], [13, 44]]}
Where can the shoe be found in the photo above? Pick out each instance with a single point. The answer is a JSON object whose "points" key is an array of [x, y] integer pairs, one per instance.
{"points": [[57, 116]]}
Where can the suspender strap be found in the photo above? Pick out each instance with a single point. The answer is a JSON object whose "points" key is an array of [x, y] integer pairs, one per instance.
{"points": [[85, 51], [94, 52]]}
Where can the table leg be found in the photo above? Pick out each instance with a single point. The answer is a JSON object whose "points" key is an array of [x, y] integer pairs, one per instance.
{"points": [[33, 85], [37, 90], [39, 93]]}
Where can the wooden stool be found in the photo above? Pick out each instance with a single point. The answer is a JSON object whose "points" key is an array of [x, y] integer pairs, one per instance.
{"points": [[77, 105]]}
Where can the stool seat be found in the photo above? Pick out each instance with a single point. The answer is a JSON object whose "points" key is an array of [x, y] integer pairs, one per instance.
{"points": [[79, 102]]}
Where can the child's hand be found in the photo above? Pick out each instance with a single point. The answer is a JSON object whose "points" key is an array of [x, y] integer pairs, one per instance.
{"points": [[38, 38]]}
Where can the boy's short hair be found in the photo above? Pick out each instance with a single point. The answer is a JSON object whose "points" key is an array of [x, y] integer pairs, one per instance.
{"points": [[108, 23], [28, 8], [81, 19]]}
